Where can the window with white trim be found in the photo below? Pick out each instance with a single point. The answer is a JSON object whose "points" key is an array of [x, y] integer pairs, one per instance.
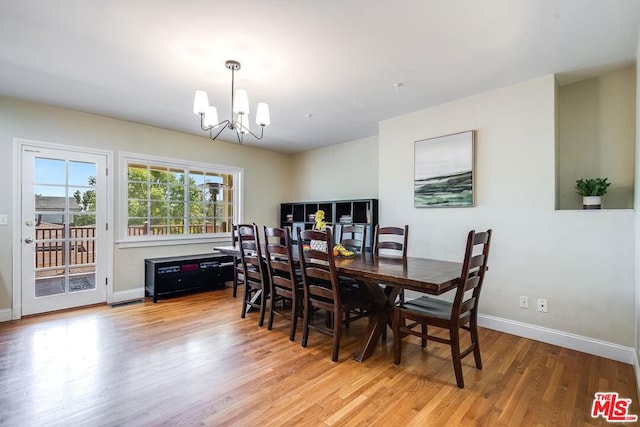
{"points": [[168, 199]]}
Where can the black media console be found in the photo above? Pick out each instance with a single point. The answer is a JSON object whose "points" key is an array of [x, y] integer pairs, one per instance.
{"points": [[171, 275]]}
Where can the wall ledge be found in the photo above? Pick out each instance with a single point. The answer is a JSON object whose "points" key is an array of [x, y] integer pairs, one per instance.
{"points": [[588, 345]]}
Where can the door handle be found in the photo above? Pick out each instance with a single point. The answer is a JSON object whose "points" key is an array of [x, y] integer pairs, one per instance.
{"points": [[28, 240]]}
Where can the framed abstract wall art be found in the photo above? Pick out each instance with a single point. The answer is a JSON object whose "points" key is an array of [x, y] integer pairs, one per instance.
{"points": [[443, 172]]}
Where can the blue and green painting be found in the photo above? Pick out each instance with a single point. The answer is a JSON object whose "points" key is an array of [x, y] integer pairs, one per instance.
{"points": [[444, 171]]}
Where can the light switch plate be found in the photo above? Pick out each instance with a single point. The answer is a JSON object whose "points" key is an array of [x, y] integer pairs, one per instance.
{"points": [[3, 219]]}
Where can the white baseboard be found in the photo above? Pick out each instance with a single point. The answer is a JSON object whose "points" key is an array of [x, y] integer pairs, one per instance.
{"points": [[562, 339], [6, 315], [127, 295]]}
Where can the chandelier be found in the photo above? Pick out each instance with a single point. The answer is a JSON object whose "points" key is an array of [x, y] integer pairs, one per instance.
{"points": [[239, 120]]}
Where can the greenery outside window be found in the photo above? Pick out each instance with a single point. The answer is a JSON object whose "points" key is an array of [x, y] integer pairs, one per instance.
{"points": [[167, 199]]}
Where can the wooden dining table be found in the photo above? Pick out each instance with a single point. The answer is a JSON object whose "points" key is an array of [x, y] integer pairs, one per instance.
{"points": [[385, 277]]}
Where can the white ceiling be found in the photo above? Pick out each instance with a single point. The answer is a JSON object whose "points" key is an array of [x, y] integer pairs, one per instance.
{"points": [[337, 60]]}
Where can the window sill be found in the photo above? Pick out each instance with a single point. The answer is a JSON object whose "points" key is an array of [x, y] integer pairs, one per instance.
{"points": [[151, 242]]}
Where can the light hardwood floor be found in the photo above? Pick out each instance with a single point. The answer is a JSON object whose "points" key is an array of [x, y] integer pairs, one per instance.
{"points": [[192, 361]]}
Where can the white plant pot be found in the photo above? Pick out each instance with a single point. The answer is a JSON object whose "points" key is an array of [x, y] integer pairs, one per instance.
{"points": [[591, 202]]}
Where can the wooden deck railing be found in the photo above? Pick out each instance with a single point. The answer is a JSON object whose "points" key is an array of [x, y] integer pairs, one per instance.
{"points": [[145, 229], [51, 251], [50, 241]]}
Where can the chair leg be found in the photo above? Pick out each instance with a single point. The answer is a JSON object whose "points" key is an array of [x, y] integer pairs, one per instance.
{"points": [[475, 341], [247, 298], [387, 291], [424, 334], [305, 323], [263, 306], [396, 336], [337, 326], [454, 336], [235, 279], [294, 320], [272, 306]]}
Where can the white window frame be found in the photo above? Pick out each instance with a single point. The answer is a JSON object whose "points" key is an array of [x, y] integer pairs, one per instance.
{"points": [[167, 239]]}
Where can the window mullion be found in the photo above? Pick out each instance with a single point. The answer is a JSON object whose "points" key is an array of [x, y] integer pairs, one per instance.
{"points": [[158, 175], [148, 201], [186, 202]]}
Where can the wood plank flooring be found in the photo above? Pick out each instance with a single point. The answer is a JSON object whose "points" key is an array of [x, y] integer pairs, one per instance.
{"points": [[192, 360]]}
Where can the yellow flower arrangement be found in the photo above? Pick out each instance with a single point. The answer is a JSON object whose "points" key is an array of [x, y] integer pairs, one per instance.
{"points": [[321, 224]]}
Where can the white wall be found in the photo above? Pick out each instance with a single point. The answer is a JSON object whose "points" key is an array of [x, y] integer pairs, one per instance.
{"points": [[266, 174], [344, 171], [582, 262], [637, 233]]}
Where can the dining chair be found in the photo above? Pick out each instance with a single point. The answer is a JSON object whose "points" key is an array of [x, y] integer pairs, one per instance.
{"points": [[353, 237], [238, 270], [256, 281], [322, 290], [285, 284], [392, 241], [462, 313]]}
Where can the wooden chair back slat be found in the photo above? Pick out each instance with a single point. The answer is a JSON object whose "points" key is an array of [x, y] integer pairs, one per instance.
{"points": [[391, 238], [353, 237], [283, 281]]}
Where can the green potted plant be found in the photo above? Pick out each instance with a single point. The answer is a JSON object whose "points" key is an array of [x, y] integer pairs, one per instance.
{"points": [[592, 190]]}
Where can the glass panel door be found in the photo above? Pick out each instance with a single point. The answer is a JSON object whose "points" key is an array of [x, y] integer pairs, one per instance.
{"points": [[63, 213]]}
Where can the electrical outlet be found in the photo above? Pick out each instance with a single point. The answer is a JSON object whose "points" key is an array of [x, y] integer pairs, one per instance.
{"points": [[524, 302], [542, 305]]}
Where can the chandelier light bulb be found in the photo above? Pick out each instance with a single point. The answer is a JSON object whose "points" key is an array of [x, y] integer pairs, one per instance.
{"points": [[262, 115], [200, 102], [211, 117], [241, 103]]}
